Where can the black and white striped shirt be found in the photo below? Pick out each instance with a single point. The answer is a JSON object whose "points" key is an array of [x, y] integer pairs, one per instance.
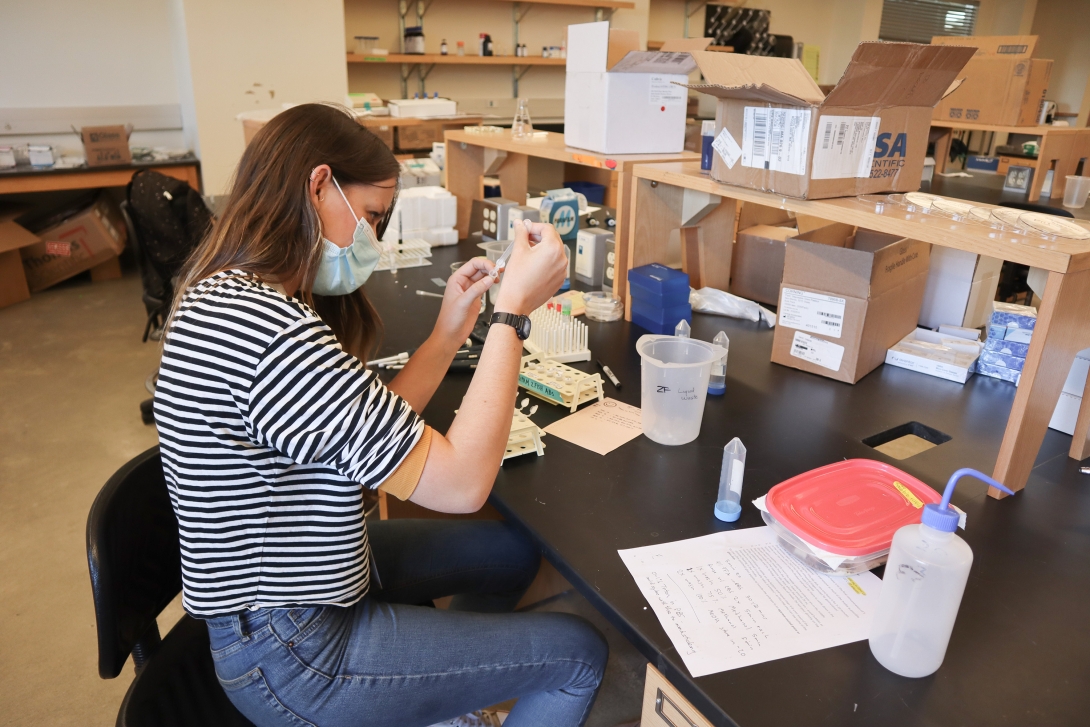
{"points": [[268, 432]]}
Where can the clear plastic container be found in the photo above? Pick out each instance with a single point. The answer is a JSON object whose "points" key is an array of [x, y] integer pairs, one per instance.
{"points": [[365, 44], [1076, 191], [848, 511], [717, 382], [602, 307], [674, 386]]}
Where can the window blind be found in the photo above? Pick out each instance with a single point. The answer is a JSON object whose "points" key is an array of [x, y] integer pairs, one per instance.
{"points": [[917, 21]]}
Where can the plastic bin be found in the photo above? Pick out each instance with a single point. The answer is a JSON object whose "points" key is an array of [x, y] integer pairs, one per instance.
{"points": [[674, 385], [594, 192], [850, 510]]}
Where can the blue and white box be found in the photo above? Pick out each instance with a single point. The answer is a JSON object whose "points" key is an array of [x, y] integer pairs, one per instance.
{"points": [[1010, 348], [999, 372], [1010, 315], [1015, 363]]}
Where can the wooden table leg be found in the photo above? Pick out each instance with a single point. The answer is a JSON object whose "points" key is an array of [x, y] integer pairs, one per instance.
{"points": [[465, 179], [513, 173], [942, 150], [621, 233], [655, 213], [1062, 330]]}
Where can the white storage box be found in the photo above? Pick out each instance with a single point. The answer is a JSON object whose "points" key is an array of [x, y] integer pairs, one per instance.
{"points": [[1067, 408], [960, 288], [951, 357], [621, 100], [422, 108]]}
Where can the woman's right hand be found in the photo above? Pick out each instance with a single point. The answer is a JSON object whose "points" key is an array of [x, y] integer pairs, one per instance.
{"points": [[534, 272]]}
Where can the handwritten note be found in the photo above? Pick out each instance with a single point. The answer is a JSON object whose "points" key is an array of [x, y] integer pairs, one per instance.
{"points": [[600, 427], [737, 598]]}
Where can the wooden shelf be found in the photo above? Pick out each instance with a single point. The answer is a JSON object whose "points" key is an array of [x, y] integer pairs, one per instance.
{"points": [[657, 45], [456, 60], [609, 4]]}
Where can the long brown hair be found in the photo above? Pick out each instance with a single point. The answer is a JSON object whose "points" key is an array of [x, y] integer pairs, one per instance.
{"points": [[269, 228]]}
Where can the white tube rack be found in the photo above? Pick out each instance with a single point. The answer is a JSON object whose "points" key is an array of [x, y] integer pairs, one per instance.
{"points": [[558, 337]]}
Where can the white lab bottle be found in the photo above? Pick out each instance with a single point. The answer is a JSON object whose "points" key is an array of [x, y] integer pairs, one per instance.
{"points": [[924, 581]]}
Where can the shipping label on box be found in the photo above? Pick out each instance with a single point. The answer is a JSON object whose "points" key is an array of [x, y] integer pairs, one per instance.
{"points": [[868, 136]]}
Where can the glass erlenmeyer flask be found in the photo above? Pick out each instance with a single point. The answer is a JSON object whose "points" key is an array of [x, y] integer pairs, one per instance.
{"points": [[522, 127]]}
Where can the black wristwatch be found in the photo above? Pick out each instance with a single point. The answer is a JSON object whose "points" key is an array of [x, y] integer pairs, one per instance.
{"points": [[521, 324]]}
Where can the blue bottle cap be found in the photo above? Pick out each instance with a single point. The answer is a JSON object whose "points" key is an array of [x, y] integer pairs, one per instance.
{"points": [[727, 511], [945, 520], [717, 390]]}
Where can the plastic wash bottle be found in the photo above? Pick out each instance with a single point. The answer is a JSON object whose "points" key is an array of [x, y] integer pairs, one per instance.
{"points": [[925, 579]]}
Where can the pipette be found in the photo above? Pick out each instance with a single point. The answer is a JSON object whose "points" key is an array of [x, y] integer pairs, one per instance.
{"points": [[502, 262]]}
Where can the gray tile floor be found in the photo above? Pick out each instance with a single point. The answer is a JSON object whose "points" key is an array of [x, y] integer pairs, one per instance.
{"points": [[72, 372]]}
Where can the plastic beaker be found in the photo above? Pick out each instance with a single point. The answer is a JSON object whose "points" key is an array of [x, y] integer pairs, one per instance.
{"points": [[1076, 191], [675, 374]]}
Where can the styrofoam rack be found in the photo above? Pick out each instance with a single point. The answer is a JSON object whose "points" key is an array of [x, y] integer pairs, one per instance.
{"points": [[557, 337], [556, 383], [412, 253]]}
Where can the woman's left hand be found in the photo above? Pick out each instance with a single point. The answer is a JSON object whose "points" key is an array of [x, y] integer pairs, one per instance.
{"points": [[462, 301]]}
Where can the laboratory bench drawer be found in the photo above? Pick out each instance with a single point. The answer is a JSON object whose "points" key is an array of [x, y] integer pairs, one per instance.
{"points": [[663, 706]]}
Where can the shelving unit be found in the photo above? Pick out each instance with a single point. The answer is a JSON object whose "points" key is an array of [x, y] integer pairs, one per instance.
{"points": [[423, 64]]}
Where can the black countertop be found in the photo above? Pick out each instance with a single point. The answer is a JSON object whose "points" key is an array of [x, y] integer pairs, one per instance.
{"points": [[1020, 653], [988, 189]]}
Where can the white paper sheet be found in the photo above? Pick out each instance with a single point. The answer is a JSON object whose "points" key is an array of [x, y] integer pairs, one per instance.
{"points": [[737, 598]]}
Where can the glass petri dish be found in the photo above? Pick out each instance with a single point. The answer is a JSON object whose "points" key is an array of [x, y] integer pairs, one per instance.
{"points": [[1053, 225], [876, 201], [920, 201]]}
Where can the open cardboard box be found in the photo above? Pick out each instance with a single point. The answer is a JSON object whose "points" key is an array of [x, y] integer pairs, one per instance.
{"points": [[776, 131], [759, 248], [619, 99], [1004, 84], [847, 296]]}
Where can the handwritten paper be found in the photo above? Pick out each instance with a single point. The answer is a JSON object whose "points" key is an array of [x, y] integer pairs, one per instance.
{"points": [[737, 598], [600, 427]]}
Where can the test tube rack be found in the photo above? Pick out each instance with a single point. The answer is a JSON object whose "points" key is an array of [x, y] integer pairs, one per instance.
{"points": [[412, 253], [556, 383], [556, 336]]}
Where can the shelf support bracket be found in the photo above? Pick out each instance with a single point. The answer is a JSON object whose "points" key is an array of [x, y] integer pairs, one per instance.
{"points": [[406, 71], [422, 75], [517, 72]]}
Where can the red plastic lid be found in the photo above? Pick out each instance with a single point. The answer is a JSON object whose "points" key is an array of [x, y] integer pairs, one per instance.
{"points": [[850, 508]]}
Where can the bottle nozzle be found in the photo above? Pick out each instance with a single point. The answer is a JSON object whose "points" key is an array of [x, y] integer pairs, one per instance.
{"points": [[942, 516]]}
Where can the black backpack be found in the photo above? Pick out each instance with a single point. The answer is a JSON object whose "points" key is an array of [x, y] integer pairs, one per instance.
{"points": [[168, 220]]}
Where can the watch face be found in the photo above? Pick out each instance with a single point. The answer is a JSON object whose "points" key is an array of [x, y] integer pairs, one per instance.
{"points": [[523, 328]]}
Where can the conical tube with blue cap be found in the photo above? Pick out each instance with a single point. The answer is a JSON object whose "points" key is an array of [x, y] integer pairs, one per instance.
{"points": [[925, 579], [728, 505]]}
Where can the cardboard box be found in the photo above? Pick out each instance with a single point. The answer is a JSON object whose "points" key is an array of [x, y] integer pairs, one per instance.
{"points": [[72, 241], [13, 237], [776, 131], [847, 296], [106, 146], [416, 138], [757, 264], [621, 100], [960, 289], [950, 357], [1003, 84]]}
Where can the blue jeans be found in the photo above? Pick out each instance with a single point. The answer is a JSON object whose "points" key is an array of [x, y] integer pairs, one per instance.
{"points": [[388, 661]]}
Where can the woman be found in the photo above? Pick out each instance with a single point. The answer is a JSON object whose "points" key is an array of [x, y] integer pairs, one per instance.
{"points": [[271, 428]]}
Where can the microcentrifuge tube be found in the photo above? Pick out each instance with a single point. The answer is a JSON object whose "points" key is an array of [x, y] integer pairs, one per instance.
{"points": [[681, 330], [728, 505], [717, 383]]}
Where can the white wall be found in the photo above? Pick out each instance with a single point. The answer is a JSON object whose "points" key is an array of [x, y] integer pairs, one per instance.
{"points": [[1062, 26], [835, 26], [254, 54], [72, 53], [465, 20]]}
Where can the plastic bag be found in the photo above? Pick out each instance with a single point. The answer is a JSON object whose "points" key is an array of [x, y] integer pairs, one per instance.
{"points": [[713, 300]]}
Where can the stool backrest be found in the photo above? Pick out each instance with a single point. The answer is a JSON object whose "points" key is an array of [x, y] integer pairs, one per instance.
{"points": [[133, 554]]}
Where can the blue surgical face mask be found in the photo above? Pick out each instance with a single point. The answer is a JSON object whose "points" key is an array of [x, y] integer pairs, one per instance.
{"points": [[344, 270]]}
